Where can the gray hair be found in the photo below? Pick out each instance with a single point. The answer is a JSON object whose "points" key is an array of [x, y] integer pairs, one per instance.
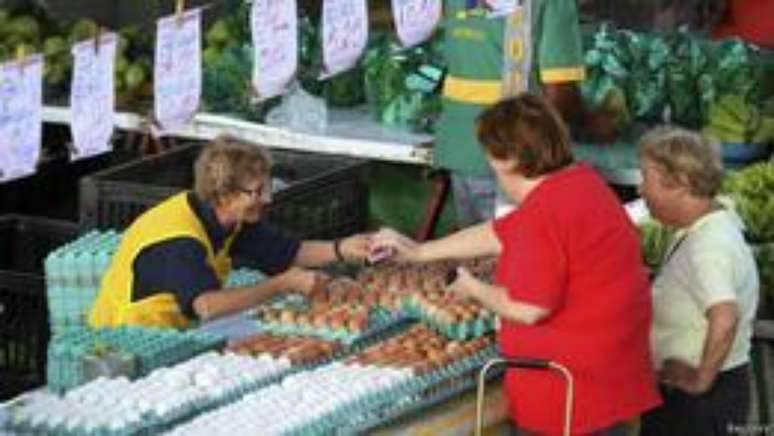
{"points": [[226, 165], [687, 158]]}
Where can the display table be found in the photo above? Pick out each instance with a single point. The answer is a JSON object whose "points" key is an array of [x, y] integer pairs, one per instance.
{"points": [[351, 132], [456, 416]]}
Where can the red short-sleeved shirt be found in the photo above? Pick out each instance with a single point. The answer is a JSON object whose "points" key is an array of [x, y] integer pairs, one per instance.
{"points": [[571, 248]]}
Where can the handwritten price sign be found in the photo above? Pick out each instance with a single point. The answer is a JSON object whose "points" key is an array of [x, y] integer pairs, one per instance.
{"points": [[178, 70], [345, 33], [92, 96], [415, 20], [21, 107], [275, 41]]}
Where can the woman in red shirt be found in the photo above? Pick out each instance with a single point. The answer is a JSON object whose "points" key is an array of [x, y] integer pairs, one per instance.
{"points": [[570, 285]]}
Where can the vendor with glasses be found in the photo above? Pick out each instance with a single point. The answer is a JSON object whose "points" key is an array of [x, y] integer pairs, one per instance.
{"points": [[173, 260]]}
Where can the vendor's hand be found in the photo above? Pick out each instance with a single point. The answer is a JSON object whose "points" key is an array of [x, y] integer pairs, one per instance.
{"points": [[389, 243], [682, 375], [355, 247], [465, 285], [304, 281]]}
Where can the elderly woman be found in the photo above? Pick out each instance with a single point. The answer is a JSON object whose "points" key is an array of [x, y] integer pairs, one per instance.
{"points": [[569, 287], [172, 262], [705, 293]]}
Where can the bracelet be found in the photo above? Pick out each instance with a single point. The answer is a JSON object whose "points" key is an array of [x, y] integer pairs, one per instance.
{"points": [[337, 250]]}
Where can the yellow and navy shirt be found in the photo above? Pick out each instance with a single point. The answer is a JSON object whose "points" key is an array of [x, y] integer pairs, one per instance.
{"points": [[181, 264], [473, 48]]}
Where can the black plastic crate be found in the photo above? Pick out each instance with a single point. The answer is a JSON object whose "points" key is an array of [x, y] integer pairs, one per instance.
{"points": [[24, 244], [322, 196]]}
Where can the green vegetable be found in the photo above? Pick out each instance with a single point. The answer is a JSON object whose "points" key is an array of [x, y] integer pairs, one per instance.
{"points": [[655, 239], [751, 190]]}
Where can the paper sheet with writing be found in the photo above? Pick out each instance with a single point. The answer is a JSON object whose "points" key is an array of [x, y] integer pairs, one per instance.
{"points": [[21, 110], [415, 20], [498, 8], [344, 33], [274, 26], [177, 78], [92, 96]]}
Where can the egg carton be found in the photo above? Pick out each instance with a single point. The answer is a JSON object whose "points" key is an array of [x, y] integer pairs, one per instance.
{"points": [[413, 404], [383, 324], [70, 355], [413, 395], [150, 422], [461, 331]]}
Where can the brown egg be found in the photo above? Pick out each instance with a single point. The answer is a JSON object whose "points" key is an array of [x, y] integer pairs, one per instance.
{"points": [[304, 320], [358, 323], [287, 317], [269, 316], [319, 320]]}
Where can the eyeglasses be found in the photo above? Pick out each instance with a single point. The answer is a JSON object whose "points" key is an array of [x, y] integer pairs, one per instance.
{"points": [[260, 191]]}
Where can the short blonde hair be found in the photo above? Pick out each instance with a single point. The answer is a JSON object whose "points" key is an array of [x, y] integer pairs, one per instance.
{"points": [[687, 158], [226, 165]]}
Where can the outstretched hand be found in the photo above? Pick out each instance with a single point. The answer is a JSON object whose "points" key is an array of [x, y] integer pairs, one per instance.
{"points": [[388, 243]]}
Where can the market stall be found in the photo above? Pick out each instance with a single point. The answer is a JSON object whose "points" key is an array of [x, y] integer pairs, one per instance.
{"points": [[387, 350]]}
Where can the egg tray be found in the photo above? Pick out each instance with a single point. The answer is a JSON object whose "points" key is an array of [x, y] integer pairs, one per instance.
{"points": [[384, 324], [363, 342], [149, 348], [411, 396], [157, 428], [153, 425], [369, 421], [462, 331]]}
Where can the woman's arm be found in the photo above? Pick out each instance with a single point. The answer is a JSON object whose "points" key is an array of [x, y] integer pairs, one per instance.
{"points": [[475, 241], [217, 303], [496, 299], [723, 319]]}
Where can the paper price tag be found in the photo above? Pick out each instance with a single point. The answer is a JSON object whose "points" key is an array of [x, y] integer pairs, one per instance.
{"points": [[21, 110], [345, 33], [92, 96], [415, 20], [499, 8], [177, 78], [275, 43]]}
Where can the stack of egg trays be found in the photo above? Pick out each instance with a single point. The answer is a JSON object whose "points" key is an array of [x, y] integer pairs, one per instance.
{"points": [[152, 348], [382, 325], [375, 408], [73, 274], [370, 420], [388, 329], [233, 396], [462, 331]]}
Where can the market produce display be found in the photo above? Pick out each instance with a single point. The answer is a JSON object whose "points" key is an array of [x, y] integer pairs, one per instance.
{"points": [[751, 190], [297, 349], [29, 30], [147, 405], [419, 292], [640, 76], [81, 354], [340, 394]]}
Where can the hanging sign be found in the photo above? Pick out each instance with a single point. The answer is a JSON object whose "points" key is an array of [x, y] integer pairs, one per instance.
{"points": [[415, 20], [92, 96], [177, 78], [274, 26], [344, 33], [21, 110]]}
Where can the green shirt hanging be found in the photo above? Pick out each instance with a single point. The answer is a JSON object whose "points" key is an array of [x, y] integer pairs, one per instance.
{"points": [[473, 47]]}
